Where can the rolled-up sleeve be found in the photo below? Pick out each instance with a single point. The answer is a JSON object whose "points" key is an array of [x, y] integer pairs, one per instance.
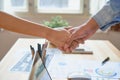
{"points": [[109, 15]]}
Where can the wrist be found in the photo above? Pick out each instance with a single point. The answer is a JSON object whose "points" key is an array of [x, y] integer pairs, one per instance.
{"points": [[93, 24], [49, 34]]}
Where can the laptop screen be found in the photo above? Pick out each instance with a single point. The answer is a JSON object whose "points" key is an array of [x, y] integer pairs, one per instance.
{"points": [[39, 70]]}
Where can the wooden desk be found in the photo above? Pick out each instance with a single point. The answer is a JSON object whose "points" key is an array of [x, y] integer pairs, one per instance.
{"points": [[101, 50]]}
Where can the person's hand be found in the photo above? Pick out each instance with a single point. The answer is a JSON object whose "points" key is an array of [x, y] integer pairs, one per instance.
{"points": [[59, 38], [80, 34]]}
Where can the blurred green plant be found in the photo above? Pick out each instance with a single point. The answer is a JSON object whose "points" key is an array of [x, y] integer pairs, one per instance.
{"points": [[56, 22]]}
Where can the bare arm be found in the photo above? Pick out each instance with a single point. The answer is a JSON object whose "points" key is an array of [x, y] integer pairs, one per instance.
{"points": [[19, 25], [15, 24]]}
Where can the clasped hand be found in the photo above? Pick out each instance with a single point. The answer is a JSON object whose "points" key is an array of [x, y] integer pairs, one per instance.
{"points": [[69, 38]]}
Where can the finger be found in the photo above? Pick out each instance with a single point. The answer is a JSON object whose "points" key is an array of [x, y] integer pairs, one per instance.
{"points": [[67, 50], [66, 47], [74, 45], [61, 48], [71, 31], [67, 43], [67, 28], [80, 40]]}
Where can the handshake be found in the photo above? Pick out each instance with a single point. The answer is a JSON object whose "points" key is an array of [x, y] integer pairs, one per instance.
{"points": [[69, 38]]}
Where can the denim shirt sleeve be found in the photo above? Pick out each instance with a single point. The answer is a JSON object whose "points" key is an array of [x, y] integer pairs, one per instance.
{"points": [[109, 15]]}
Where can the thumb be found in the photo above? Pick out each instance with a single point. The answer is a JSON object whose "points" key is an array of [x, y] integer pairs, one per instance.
{"points": [[71, 38], [71, 31], [67, 28], [68, 43]]}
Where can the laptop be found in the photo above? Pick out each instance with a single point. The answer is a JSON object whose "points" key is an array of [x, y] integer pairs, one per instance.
{"points": [[39, 67]]}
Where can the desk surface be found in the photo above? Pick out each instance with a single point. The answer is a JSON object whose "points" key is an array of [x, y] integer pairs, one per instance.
{"points": [[101, 50]]}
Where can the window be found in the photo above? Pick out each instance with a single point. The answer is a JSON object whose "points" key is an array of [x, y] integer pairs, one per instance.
{"points": [[15, 5], [60, 6], [19, 5], [96, 5], [44, 6], [1, 4]]}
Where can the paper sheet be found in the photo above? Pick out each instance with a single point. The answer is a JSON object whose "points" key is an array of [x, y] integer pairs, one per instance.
{"points": [[63, 66], [23, 63]]}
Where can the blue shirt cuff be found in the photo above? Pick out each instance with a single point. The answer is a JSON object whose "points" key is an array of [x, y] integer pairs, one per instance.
{"points": [[106, 17]]}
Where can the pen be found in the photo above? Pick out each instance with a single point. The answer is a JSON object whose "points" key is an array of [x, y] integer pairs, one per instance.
{"points": [[32, 51], [40, 50], [106, 60]]}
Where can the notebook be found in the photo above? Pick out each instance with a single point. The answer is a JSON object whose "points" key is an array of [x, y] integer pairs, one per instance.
{"points": [[39, 67]]}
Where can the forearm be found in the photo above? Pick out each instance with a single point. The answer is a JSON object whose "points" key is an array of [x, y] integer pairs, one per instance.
{"points": [[88, 29], [92, 23], [19, 25]]}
